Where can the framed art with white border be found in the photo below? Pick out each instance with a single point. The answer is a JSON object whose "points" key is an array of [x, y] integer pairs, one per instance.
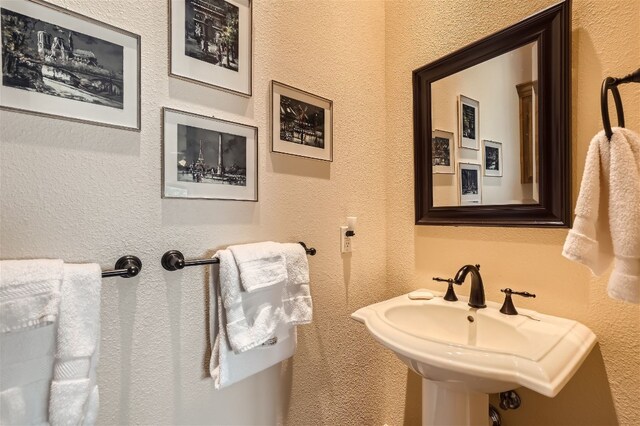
{"points": [[469, 128], [208, 158], [442, 152], [301, 123], [469, 184], [58, 63], [492, 158], [210, 43]]}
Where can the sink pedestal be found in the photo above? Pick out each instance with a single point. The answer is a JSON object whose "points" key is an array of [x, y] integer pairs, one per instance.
{"points": [[446, 404]]}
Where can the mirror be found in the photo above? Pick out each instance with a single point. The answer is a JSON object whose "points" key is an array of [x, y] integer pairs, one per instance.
{"points": [[492, 128]]}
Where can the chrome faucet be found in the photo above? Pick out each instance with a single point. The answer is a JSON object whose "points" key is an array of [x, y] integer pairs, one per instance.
{"points": [[476, 295]]}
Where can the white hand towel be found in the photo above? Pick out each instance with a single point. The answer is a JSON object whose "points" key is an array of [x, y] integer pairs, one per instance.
{"points": [[261, 265], [25, 375], [73, 396], [29, 293], [607, 223], [228, 367], [29, 300], [296, 296], [246, 326]]}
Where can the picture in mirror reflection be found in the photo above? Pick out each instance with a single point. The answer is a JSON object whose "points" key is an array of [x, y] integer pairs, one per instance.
{"points": [[469, 123], [441, 152], [469, 181], [207, 156], [470, 187], [492, 158]]}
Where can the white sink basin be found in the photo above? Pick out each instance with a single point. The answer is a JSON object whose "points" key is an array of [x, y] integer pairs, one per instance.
{"points": [[480, 350]]}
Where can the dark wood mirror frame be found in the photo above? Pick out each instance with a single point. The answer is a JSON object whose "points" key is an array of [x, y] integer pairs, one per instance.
{"points": [[551, 28]]}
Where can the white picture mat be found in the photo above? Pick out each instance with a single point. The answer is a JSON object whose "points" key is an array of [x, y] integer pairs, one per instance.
{"points": [[174, 188], [492, 144], [468, 142], [470, 199], [450, 169], [195, 69], [295, 148], [48, 104]]}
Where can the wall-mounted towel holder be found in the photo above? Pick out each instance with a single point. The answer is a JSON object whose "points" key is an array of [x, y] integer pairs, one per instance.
{"points": [[173, 260], [611, 83], [126, 267]]}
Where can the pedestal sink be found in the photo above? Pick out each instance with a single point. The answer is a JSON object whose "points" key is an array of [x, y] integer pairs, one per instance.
{"points": [[464, 354]]}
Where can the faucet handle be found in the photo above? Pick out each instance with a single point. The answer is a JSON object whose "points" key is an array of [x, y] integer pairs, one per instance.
{"points": [[507, 307], [450, 296]]}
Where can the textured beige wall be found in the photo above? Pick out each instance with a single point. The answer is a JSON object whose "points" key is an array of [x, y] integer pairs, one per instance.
{"points": [[154, 347], [606, 41], [87, 193]]}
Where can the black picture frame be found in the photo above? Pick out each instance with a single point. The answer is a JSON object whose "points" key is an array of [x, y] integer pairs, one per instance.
{"points": [[551, 28]]}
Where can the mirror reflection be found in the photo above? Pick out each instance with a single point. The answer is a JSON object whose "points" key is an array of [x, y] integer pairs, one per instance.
{"points": [[484, 142]]}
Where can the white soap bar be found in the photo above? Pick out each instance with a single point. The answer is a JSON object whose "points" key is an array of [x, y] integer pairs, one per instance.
{"points": [[420, 294]]}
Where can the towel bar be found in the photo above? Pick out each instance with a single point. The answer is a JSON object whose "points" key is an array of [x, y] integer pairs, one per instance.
{"points": [[126, 267], [173, 260]]}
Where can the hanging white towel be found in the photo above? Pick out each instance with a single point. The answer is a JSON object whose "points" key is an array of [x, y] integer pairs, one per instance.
{"points": [[29, 293], [247, 324], [261, 265], [607, 223], [228, 367], [74, 391], [29, 300], [296, 295]]}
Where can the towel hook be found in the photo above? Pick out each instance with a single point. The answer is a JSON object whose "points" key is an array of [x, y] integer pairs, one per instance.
{"points": [[611, 83]]}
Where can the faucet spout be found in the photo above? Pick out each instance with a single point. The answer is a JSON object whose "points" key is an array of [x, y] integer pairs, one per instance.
{"points": [[476, 295]]}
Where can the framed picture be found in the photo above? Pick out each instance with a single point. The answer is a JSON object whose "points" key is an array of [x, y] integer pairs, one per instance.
{"points": [[470, 184], [442, 155], [210, 43], [469, 116], [492, 156], [301, 123], [205, 157], [61, 64]]}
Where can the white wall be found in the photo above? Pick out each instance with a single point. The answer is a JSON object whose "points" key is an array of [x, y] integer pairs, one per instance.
{"points": [[493, 85], [86, 193]]}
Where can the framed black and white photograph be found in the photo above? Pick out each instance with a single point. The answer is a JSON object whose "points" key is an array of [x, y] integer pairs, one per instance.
{"points": [[492, 156], [470, 184], [442, 152], [210, 158], [301, 123], [62, 64], [469, 115], [210, 43]]}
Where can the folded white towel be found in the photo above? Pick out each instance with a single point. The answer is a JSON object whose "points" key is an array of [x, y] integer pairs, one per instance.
{"points": [[226, 366], [246, 326], [261, 265], [73, 396], [296, 296], [26, 369], [607, 223], [29, 293]]}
